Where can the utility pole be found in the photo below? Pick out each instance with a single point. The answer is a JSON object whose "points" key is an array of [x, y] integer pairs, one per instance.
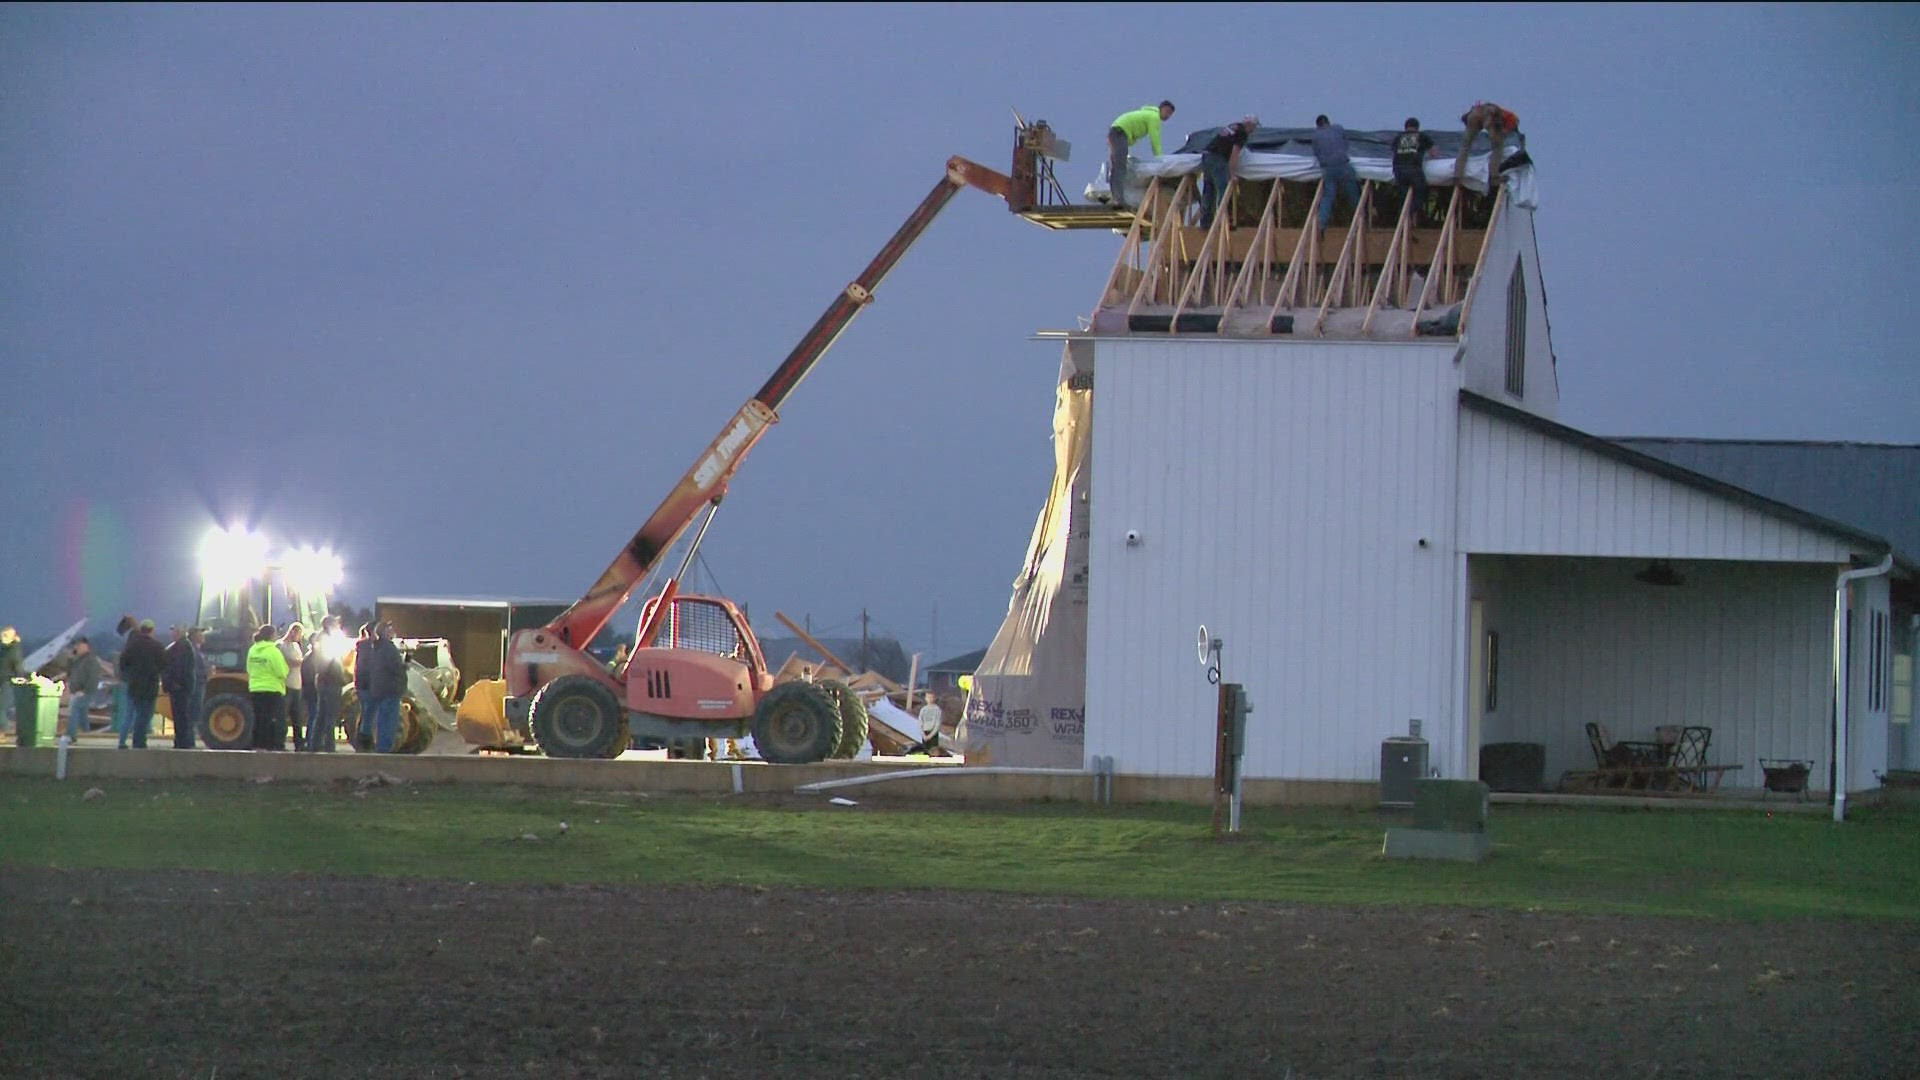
{"points": [[936, 630], [864, 664]]}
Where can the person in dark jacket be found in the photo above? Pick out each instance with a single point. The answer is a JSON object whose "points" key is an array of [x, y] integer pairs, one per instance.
{"points": [[309, 684], [202, 671], [10, 669], [328, 684], [123, 705], [141, 664], [83, 678], [177, 681], [362, 676], [386, 682]]}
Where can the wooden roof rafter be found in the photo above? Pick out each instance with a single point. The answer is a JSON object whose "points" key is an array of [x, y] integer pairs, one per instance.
{"points": [[1168, 248]]}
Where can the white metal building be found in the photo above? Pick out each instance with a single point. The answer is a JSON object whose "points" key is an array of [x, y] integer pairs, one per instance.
{"points": [[1378, 514]]}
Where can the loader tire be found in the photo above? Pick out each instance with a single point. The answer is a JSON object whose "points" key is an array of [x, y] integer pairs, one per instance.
{"points": [[574, 716], [853, 717], [350, 721], [227, 722], [416, 731], [796, 724]]}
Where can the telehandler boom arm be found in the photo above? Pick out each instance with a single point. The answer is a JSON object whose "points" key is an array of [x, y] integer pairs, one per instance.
{"points": [[706, 481]]}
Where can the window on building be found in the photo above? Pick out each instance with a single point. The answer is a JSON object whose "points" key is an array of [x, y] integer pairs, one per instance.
{"points": [[1493, 670], [1902, 688], [1876, 666], [1517, 330]]}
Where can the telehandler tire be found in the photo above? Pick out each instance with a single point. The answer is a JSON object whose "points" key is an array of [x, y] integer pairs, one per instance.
{"points": [[226, 723], [853, 717], [796, 724], [574, 716]]}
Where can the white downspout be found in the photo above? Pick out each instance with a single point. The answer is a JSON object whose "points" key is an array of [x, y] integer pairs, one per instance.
{"points": [[1842, 599]]}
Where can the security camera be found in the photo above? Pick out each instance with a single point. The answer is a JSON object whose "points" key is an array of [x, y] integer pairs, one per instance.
{"points": [[1133, 537]]}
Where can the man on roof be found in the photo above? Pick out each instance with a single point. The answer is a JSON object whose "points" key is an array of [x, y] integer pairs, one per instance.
{"points": [[1337, 174], [1129, 128], [1498, 123], [1219, 159]]}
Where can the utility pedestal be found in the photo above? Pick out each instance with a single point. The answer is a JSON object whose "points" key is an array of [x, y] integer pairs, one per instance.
{"points": [[1449, 822]]}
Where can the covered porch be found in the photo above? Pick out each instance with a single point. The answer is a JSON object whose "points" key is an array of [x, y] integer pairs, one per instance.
{"points": [[1642, 677]]}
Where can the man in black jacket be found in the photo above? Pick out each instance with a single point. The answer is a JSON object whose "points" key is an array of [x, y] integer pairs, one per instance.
{"points": [[362, 679], [10, 669], [386, 673], [183, 666], [141, 664]]}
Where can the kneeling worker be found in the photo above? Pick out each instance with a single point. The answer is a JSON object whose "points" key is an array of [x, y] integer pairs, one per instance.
{"points": [[1129, 128], [1218, 161]]}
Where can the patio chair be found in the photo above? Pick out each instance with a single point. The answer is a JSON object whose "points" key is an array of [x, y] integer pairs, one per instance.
{"points": [[1689, 761], [1609, 757]]}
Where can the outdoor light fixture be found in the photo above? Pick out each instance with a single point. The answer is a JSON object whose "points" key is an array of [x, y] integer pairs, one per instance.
{"points": [[229, 557], [1659, 572], [310, 571]]}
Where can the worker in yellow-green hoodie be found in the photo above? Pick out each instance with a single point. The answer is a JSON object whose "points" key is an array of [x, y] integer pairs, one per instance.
{"points": [[267, 686], [1129, 128]]}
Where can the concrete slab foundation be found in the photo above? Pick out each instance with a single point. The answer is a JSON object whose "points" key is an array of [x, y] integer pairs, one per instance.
{"points": [[941, 782]]}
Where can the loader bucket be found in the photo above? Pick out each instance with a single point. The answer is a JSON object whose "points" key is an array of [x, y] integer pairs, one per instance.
{"points": [[482, 718]]}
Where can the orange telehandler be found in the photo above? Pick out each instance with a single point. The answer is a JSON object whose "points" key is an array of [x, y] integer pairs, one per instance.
{"points": [[696, 671]]}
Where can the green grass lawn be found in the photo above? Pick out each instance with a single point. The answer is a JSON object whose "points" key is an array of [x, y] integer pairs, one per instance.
{"points": [[1735, 863]]}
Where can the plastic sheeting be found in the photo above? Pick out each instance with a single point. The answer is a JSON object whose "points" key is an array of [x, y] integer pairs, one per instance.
{"points": [[1285, 154], [1029, 698]]}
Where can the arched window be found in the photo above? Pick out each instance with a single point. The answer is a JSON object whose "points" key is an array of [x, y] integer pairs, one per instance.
{"points": [[1517, 330]]}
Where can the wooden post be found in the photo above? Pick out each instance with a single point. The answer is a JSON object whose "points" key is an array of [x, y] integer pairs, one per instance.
{"points": [[1480, 260], [1259, 259], [1303, 249], [913, 676], [817, 647], [1395, 259]]}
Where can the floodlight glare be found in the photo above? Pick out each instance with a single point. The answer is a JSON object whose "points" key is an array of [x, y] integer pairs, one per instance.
{"points": [[312, 572], [229, 557]]}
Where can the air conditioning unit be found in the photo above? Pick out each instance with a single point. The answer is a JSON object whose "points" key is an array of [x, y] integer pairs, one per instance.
{"points": [[1403, 761]]}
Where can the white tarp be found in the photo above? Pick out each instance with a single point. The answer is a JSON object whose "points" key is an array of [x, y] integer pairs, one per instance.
{"points": [[1260, 165], [1029, 699]]}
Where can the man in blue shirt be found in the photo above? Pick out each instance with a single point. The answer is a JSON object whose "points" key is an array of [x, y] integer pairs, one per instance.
{"points": [[1336, 168]]}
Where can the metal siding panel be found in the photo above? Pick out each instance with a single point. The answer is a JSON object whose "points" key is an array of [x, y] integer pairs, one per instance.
{"points": [[1285, 505], [1527, 493]]}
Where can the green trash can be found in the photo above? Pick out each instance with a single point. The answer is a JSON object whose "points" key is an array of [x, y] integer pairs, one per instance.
{"points": [[36, 709]]}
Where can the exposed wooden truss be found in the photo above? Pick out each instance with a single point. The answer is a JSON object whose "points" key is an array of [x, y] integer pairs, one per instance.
{"points": [[1262, 270]]}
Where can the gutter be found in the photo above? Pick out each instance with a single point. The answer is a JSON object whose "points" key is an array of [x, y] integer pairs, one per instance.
{"points": [[1842, 601]]}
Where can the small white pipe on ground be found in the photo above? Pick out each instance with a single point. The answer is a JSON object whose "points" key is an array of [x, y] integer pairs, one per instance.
{"points": [[60, 757], [1842, 600], [908, 774]]}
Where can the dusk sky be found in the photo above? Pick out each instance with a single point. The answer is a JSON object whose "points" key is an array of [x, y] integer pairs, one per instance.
{"points": [[463, 290]]}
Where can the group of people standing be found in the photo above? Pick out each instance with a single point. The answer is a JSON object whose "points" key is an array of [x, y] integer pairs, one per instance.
{"points": [[296, 683]]}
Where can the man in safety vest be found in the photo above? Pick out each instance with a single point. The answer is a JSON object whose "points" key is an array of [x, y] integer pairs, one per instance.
{"points": [[1129, 128]]}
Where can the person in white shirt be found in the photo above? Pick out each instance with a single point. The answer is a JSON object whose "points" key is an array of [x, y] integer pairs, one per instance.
{"points": [[930, 719]]}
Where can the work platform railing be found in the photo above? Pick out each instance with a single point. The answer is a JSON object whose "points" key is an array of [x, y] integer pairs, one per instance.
{"points": [[1263, 267]]}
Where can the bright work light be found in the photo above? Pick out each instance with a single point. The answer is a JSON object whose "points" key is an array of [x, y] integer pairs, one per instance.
{"points": [[312, 572], [230, 557]]}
